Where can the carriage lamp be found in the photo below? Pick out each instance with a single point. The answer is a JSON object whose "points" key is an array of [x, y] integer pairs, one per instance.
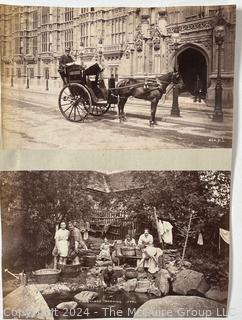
{"points": [[219, 32], [175, 110]]}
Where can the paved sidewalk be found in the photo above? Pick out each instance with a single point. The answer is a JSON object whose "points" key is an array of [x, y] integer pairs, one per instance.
{"points": [[192, 114]]}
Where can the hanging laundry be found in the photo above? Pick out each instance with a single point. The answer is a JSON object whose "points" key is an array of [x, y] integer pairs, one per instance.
{"points": [[200, 239], [225, 235], [167, 236], [160, 228]]}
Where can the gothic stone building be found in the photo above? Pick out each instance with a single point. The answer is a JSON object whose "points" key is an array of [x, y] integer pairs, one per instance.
{"points": [[133, 42]]}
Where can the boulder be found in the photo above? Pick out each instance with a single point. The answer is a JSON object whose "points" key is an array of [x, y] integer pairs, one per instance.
{"points": [[187, 264], [154, 290], [180, 306], [52, 289], [69, 305], [128, 285], [94, 281], [172, 269], [189, 280], [85, 296], [28, 302], [216, 294], [162, 282], [143, 286]]}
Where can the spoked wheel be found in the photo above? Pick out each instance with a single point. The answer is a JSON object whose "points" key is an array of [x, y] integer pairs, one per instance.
{"points": [[99, 109], [74, 102]]}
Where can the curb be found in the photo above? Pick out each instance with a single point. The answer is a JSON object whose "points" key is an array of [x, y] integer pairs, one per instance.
{"points": [[166, 118]]}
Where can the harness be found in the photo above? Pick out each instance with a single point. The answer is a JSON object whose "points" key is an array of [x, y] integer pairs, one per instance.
{"points": [[145, 84]]}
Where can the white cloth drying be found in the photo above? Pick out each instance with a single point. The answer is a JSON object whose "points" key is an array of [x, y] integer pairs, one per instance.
{"points": [[200, 239], [165, 230], [225, 235]]}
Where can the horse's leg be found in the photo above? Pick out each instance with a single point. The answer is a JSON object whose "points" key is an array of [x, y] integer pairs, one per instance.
{"points": [[121, 105], [153, 106]]}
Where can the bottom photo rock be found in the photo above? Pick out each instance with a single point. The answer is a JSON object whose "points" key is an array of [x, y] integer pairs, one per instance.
{"points": [[90, 244]]}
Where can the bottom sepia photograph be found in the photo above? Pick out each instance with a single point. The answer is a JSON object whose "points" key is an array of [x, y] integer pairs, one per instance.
{"points": [[93, 244]]}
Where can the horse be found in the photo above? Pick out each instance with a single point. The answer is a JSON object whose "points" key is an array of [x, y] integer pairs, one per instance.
{"points": [[145, 89]]}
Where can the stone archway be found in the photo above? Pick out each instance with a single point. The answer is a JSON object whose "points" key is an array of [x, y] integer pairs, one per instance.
{"points": [[193, 66]]}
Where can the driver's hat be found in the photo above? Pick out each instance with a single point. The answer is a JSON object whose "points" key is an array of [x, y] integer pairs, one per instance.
{"points": [[67, 49]]}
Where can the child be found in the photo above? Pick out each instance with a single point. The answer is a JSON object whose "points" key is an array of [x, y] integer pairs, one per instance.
{"points": [[105, 253], [109, 277]]}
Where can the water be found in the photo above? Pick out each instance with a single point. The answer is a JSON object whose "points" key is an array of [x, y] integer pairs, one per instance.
{"points": [[107, 304]]}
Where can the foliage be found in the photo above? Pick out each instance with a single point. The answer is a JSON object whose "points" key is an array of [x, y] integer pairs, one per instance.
{"points": [[38, 200]]}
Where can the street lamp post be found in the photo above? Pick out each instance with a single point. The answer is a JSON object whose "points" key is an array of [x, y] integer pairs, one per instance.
{"points": [[100, 51], [12, 79], [175, 110], [27, 83], [131, 45], [81, 53], [219, 39]]}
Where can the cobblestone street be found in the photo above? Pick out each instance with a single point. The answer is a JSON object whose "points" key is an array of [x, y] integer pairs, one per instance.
{"points": [[33, 120]]}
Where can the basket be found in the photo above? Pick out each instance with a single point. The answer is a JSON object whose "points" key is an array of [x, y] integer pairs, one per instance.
{"points": [[131, 273], [47, 276], [128, 252]]}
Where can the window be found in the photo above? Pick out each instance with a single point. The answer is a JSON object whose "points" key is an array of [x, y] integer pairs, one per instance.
{"points": [[45, 15], [31, 73], [83, 34], [47, 74], [35, 48], [4, 49], [68, 14], [116, 74], [35, 20], [69, 38], [19, 72], [118, 31], [45, 42], [17, 46], [16, 22], [27, 46]]}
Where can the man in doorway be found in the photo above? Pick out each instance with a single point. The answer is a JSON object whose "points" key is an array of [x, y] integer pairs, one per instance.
{"points": [[198, 90]]}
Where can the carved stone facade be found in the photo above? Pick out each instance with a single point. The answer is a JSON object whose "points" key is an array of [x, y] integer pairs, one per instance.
{"points": [[134, 42]]}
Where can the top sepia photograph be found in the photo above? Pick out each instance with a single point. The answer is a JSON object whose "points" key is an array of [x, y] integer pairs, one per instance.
{"points": [[117, 77]]}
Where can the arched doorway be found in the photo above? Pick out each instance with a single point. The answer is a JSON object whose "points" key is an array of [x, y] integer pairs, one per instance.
{"points": [[193, 68]]}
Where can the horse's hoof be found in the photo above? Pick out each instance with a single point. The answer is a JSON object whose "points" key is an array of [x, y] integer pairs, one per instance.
{"points": [[151, 124]]}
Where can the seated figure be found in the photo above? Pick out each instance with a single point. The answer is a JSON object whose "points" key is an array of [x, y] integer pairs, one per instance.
{"points": [[105, 253]]}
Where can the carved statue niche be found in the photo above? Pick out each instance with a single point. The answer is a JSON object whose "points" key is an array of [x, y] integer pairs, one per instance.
{"points": [[156, 36], [139, 41], [156, 42]]}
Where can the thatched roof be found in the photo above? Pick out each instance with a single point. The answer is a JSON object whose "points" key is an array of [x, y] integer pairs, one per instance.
{"points": [[115, 182]]}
